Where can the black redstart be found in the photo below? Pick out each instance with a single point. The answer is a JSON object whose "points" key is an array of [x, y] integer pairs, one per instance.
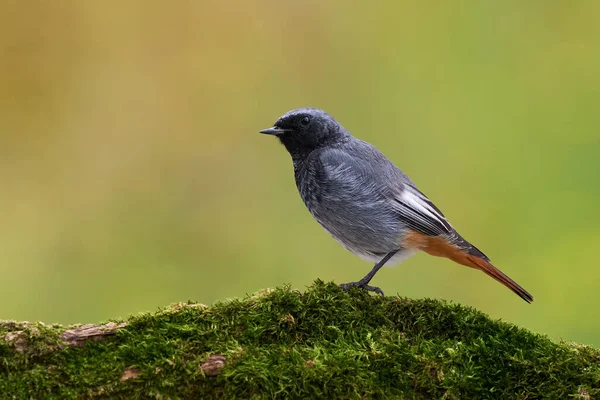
{"points": [[366, 203]]}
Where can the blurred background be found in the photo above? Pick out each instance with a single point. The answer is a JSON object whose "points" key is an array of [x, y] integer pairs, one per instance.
{"points": [[133, 175]]}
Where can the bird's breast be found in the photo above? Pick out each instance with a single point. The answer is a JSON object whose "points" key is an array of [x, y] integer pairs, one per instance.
{"points": [[310, 184]]}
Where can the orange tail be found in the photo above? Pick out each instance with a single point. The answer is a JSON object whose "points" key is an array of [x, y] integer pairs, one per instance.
{"points": [[500, 276], [440, 247]]}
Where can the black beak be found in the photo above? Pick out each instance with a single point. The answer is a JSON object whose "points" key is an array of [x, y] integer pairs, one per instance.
{"points": [[274, 131]]}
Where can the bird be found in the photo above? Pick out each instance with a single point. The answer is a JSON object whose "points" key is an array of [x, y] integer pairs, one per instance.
{"points": [[366, 203]]}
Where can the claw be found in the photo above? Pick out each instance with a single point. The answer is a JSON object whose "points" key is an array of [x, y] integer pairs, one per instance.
{"points": [[347, 286]]}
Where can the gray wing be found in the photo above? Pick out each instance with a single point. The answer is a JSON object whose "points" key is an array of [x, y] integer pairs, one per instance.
{"points": [[366, 167]]}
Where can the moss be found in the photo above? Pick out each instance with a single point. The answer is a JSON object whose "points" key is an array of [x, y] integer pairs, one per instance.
{"points": [[323, 343]]}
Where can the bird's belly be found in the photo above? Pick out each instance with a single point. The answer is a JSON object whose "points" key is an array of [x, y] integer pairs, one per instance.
{"points": [[369, 239], [400, 256], [374, 257]]}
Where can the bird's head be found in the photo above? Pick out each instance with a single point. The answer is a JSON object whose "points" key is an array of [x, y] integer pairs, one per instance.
{"points": [[305, 129]]}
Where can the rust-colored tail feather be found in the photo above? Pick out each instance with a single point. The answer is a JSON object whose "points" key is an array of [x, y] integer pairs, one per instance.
{"points": [[440, 247], [500, 276]]}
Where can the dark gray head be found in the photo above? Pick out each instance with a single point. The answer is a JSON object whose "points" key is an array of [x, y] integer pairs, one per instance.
{"points": [[305, 129]]}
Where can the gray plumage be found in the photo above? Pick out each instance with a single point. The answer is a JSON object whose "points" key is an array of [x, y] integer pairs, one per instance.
{"points": [[357, 194], [352, 189]]}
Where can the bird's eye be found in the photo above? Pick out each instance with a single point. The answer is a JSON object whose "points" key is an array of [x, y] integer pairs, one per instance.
{"points": [[305, 121]]}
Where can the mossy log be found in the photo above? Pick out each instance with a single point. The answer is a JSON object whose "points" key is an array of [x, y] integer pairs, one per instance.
{"points": [[282, 343]]}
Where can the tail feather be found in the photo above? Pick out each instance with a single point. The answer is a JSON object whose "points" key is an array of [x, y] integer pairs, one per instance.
{"points": [[464, 253], [500, 276]]}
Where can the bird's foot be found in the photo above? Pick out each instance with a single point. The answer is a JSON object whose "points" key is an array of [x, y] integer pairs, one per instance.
{"points": [[362, 285]]}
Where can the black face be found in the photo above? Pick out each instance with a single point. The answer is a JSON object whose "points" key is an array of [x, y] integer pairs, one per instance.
{"points": [[305, 129]]}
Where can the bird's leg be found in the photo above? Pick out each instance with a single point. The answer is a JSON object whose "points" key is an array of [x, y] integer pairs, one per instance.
{"points": [[364, 282]]}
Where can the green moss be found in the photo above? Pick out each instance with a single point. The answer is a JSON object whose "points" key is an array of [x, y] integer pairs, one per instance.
{"points": [[322, 343]]}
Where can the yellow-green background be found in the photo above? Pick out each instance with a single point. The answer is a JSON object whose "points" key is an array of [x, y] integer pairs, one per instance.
{"points": [[132, 172]]}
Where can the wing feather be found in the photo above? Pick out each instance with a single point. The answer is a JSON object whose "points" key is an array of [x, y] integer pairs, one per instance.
{"points": [[420, 214]]}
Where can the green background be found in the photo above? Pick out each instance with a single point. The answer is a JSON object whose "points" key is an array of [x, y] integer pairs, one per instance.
{"points": [[133, 175]]}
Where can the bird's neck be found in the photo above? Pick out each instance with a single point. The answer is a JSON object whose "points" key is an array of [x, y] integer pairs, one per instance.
{"points": [[300, 150], [299, 157], [298, 161]]}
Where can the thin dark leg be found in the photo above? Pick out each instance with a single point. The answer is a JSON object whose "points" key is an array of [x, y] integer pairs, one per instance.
{"points": [[364, 282]]}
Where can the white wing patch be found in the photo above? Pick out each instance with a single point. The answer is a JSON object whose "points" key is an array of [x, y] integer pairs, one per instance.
{"points": [[420, 204]]}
